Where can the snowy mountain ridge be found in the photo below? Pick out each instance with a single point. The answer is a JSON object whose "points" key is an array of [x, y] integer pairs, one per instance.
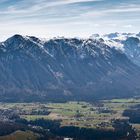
{"points": [[128, 43], [67, 69]]}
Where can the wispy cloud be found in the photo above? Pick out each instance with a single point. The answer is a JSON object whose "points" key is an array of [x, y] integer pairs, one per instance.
{"points": [[68, 17], [128, 26]]}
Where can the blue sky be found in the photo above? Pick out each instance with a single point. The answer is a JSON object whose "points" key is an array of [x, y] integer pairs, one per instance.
{"points": [[49, 18]]}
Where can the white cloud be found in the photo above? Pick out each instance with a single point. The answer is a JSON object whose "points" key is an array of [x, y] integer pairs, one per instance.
{"points": [[128, 26], [67, 17]]}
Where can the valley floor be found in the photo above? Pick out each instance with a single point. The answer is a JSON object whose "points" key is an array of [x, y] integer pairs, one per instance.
{"points": [[118, 118]]}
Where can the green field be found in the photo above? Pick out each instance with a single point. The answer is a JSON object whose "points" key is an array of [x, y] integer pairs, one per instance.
{"points": [[82, 114]]}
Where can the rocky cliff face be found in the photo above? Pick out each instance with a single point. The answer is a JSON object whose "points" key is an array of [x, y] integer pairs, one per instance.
{"points": [[65, 69]]}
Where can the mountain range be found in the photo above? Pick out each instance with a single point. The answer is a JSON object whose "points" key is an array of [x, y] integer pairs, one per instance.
{"points": [[61, 69]]}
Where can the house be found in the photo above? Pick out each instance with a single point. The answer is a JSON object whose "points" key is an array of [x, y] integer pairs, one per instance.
{"points": [[68, 138]]}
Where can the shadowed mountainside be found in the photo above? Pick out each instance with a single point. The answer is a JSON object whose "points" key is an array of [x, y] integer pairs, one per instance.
{"points": [[64, 69]]}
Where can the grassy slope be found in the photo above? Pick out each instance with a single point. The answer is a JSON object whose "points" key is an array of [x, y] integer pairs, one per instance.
{"points": [[20, 135]]}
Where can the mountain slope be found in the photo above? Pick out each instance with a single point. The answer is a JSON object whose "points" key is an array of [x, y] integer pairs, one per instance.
{"points": [[129, 43], [64, 69]]}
